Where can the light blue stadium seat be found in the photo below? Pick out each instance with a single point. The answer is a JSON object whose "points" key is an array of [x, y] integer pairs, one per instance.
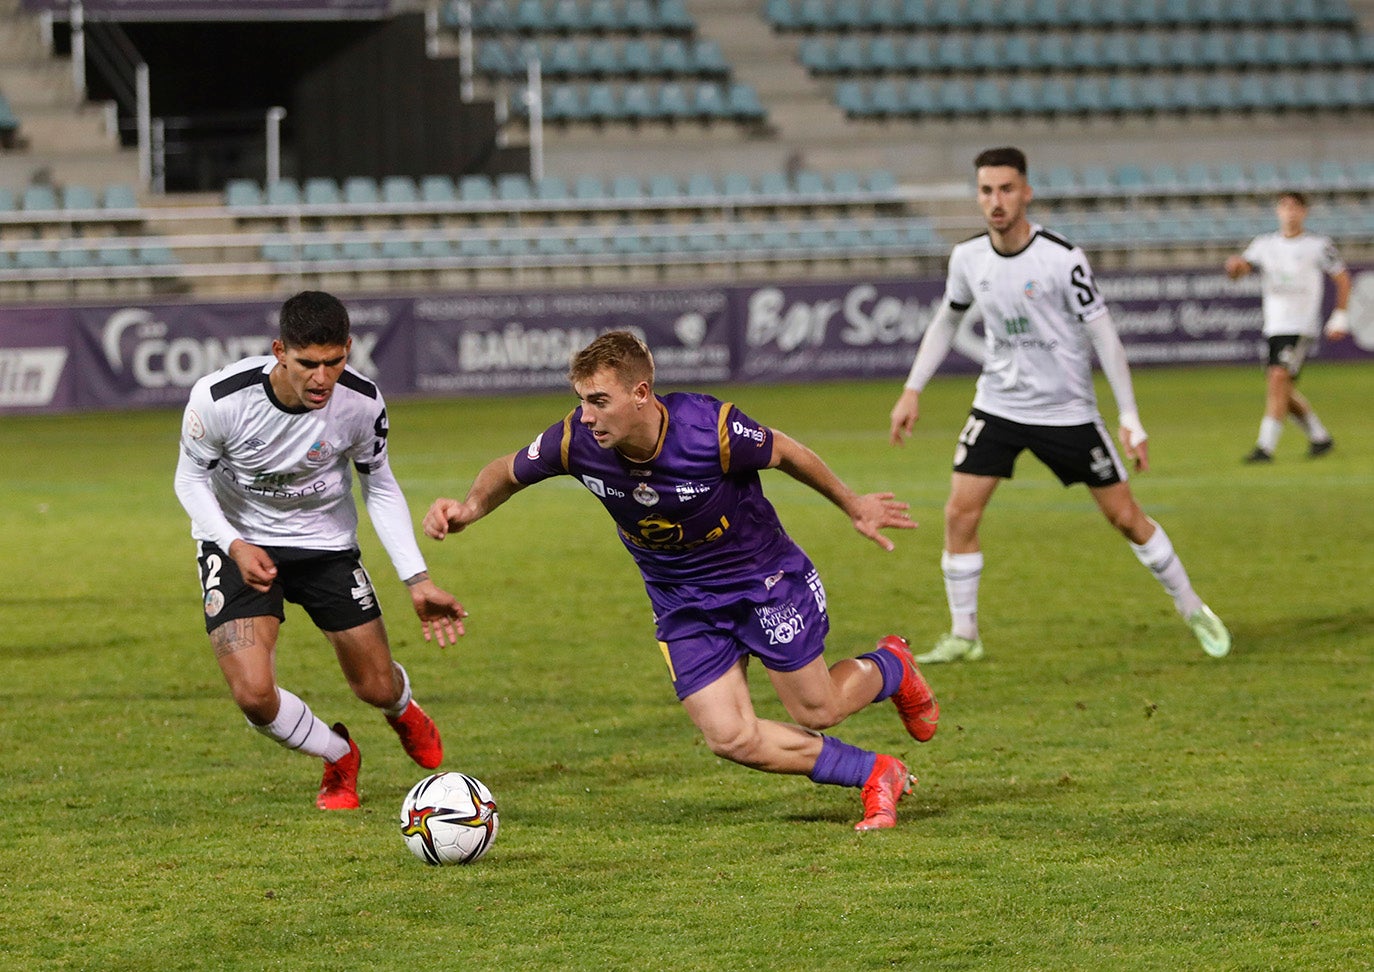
{"points": [[1089, 97], [78, 197], [1055, 98], [774, 185], [589, 188], [1164, 179], [276, 251], [361, 191], [358, 250], [283, 192], [602, 58], [743, 103], [118, 196], [662, 185], [601, 102], [564, 104], [1060, 180], [565, 16], [1121, 94], [1096, 181], [115, 255], [476, 188], [985, 53], [954, 98], [321, 191], [809, 184], [602, 16], [737, 185], [986, 97], [513, 187], [494, 58], [701, 185], [397, 250], [1230, 177], [319, 251], [75, 258], [638, 16], [438, 189], [435, 249], [852, 98], [637, 102], [675, 18], [1023, 96], [849, 55], [627, 188], [1266, 176], [780, 14], [672, 102], [562, 60], [156, 253], [239, 193], [708, 101], [917, 54], [551, 189], [400, 189], [40, 199], [1129, 178], [1147, 52], [880, 15], [1331, 175], [880, 181], [1298, 174], [1152, 93], [637, 58], [1017, 53], [952, 52], [672, 58], [1084, 52], [1051, 53], [885, 99], [474, 247], [707, 59]]}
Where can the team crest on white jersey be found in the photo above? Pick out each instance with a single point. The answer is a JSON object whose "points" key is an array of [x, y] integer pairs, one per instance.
{"points": [[1031, 289], [194, 427], [320, 451]]}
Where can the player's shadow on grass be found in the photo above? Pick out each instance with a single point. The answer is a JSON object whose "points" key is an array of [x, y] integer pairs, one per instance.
{"points": [[1350, 629]]}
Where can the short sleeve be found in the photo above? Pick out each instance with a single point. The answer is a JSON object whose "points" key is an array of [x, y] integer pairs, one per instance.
{"points": [[543, 458], [958, 293], [744, 443], [1254, 253]]}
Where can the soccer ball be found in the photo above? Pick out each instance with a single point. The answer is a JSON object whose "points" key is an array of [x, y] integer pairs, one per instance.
{"points": [[449, 818]]}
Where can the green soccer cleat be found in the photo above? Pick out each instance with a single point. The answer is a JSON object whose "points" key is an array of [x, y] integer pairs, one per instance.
{"points": [[1210, 631], [951, 648]]}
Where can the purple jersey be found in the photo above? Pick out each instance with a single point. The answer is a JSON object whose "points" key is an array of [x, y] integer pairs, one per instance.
{"points": [[692, 514]]}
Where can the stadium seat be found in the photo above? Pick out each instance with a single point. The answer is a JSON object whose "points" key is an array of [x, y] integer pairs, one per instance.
{"points": [[240, 193], [708, 101], [438, 189], [361, 191], [513, 187], [589, 188], [40, 198], [953, 99], [708, 59], [475, 188], [283, 192], [321, 191], [743, 103], [551, 189]]}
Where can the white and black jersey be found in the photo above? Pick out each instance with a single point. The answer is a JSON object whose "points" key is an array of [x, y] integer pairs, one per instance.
{"points": [[1038, 364], [1291, 280], [280, 476]]}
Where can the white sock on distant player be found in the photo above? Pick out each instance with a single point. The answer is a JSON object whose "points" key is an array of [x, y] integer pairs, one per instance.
{"points": [[1310, 424], [400, 705], [1157, 553], [296, 727], [1270, 430], [962, 574]]}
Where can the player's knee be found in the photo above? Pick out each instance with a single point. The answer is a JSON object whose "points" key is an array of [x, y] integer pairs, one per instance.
{"points": [[257, 700], [816, 717], [743, 746], [377, 690]]}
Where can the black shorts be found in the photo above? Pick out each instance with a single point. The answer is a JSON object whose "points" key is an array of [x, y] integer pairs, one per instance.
{"points": [[331, 585], [989, 445], [1289, 351]]}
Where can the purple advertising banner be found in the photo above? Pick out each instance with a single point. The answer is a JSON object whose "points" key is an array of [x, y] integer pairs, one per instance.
{"points": [[219, 9], [65, 358], [499, 343]]}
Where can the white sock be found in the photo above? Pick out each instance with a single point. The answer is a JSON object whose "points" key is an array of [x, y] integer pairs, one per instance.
{"points": [[1270, 430], [1157, 553], [296, 727], [962, 574], [400, 704], [1310, 424]]}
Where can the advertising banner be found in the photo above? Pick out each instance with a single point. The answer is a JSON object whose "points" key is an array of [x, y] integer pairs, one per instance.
{"points": [[148, 355], [502, 343]]}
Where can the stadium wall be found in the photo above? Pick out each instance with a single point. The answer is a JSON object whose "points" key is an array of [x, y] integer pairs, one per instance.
{"points": [[70, 357]]}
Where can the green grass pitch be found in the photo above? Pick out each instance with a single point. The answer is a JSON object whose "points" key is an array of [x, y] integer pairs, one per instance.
{"points": [[1101, 795]]}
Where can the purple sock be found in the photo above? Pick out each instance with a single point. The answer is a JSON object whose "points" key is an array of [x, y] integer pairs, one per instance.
{"points": [[842, 764], [892, 668]]}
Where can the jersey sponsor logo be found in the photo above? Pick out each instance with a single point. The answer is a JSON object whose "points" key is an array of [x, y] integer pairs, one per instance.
{"points": [[661, 533], [193, 428], [1101, 464], [319, 451], [599, 487], [867, 319], [752, 433], [270, 485], [813, 581], [690, 491], [645, 495], [771, 580], [254, 444]]}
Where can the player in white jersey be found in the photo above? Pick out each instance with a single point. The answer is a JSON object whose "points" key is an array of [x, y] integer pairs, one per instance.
{"points": [[1043, 319], [266, 446], [1291, 264]]}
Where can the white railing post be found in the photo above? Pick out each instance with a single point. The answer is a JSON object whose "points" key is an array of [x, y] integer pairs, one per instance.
{"points": [[274, 119], [465, 48], [78, 26], [534, 95], [159, 182], [144, 101]]}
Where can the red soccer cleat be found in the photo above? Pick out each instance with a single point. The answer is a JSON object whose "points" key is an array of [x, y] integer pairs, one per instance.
{"points": [[914, 700], [339, 788], [419, 736], [887, 784]]}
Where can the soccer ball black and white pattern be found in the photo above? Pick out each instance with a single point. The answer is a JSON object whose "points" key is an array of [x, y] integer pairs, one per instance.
{"points": [[449, 818]]}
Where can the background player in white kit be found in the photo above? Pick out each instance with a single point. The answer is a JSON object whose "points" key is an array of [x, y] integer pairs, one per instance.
{"points": [[266, 446], [1043, 317], [1291, 264]]}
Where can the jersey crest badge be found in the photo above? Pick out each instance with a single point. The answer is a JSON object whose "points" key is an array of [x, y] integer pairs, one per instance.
{"points": [[645, 495], [1031, 289], [195, 428], [320, 451]]}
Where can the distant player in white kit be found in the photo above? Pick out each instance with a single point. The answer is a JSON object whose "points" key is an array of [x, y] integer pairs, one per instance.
{"points": [[1291, 264], [266, 446], [1043, 318]]}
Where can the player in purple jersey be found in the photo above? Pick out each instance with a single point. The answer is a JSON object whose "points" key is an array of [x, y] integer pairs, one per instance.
{"points": [[679, 474]]}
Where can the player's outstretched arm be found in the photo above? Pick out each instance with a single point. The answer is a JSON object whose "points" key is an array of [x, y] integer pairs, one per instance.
{"points": [[871, 513], [495, 484], [935, 345], [440, 614], [1237, 266]]}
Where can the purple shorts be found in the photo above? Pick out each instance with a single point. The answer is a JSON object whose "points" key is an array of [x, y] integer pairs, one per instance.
{"points": [[703, 631]]}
